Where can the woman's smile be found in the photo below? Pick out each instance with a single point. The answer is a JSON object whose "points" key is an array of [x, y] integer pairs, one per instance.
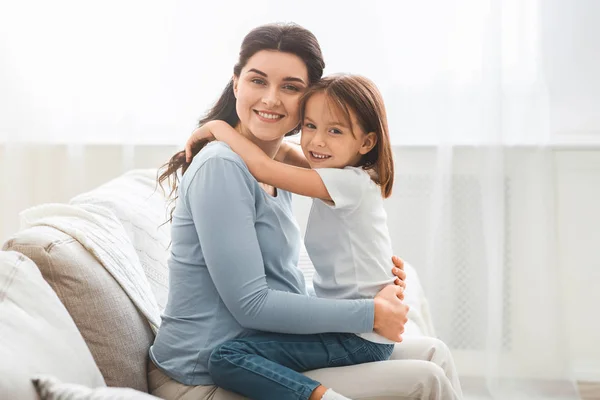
{"points": [[268, 117]]}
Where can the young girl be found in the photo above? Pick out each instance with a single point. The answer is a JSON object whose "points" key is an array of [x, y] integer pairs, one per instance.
{"points": [[349, 171]]}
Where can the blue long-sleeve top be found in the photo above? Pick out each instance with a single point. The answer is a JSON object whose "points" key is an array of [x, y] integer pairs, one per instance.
{"points": [[233, 269]]}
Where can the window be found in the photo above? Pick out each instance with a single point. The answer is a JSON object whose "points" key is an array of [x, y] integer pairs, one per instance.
{"points": [[462, 71]]}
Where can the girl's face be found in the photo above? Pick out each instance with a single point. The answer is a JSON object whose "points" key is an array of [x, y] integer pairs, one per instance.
{"points": [[268, 92], [327, 140]]}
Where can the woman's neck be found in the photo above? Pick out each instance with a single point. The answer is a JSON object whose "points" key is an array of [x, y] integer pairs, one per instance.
{"points": [[269, 147]]}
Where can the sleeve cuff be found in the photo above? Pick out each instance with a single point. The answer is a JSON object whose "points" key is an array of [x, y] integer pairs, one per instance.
{"points": [[369, 316]]}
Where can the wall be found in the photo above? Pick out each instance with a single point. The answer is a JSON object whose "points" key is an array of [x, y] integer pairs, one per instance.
{"points": [[578, 194]]}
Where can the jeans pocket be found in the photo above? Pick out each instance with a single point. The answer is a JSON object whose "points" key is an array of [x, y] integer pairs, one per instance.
{"points": [[350, 349], [379, 351], [341, 362]]}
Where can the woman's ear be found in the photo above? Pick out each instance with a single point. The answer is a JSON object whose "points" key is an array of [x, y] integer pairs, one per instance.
{"points": [[369, 141], [235, 85]]}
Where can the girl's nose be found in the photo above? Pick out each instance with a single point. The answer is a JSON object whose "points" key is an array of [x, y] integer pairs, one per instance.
{"points": [[319, 138]]}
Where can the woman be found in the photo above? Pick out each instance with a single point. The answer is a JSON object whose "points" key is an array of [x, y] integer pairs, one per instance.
{"points": [[235, 241]]}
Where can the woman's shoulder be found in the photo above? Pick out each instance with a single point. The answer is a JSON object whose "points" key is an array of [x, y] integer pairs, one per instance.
{"points": [[217, 155], [217, 150]]}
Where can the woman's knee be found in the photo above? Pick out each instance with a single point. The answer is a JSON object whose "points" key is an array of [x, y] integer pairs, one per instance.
{"points": [[431, 375], [421, 348], [435, 350], [440, 354], [440, 344]]}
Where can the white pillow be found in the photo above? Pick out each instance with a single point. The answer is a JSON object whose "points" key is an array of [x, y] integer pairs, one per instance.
{"points": [[50, 388], [37, 334]]}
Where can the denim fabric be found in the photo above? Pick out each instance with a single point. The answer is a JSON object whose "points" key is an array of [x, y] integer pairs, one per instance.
{"points": [[268, 365]]}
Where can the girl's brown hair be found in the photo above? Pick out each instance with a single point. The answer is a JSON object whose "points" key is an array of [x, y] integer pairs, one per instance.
{"points": [[287, 38], [354, 94]]}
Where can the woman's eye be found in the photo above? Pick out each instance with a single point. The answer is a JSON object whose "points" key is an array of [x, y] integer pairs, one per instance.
{"points": [[292, 88], [258, 81], [308, 125]]}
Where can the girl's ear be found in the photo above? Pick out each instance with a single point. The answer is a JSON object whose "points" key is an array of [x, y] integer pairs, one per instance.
{"points": [[235, 85], [369, 141]]}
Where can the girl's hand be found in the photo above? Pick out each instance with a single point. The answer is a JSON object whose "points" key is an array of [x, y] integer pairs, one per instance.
{"points": [[199, 134], [390, 313]]}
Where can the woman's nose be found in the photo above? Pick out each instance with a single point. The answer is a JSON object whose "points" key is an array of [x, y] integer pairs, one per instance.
{"points": [[271, 98]]}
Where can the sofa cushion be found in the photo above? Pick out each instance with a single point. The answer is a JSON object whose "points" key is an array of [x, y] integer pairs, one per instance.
{"points": [[37, 334], [117, 334], [50, 388]]}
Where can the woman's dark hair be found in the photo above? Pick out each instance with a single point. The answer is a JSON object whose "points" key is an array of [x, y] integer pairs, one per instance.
{"points": [[287, 38]]}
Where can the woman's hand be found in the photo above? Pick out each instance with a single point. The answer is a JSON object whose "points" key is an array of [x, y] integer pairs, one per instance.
{"points": [[390, 313], [398, 271]]}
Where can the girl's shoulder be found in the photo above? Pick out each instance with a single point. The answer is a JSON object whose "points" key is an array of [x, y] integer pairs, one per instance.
{"points": [[357, 175], [352, 177]]}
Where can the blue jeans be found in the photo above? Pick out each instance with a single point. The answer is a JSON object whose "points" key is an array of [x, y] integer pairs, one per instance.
{"points": [[268, 365]]}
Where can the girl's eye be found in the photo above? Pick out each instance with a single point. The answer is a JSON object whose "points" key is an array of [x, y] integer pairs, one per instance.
{"points": [[291, 88], [335, 130], [308, 125], [258, 81]]}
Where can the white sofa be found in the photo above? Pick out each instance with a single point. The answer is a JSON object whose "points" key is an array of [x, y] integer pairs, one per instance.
{"points": [[63, 314]]}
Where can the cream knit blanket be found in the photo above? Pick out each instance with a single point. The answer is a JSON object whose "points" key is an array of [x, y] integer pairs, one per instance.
{"points": [[103, 235]]}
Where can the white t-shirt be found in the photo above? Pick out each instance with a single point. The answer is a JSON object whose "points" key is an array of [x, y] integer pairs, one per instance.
{"points": [[348, 242]]}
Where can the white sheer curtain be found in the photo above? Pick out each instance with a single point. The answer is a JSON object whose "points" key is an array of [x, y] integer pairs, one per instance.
{"points": [[485, 214], [144, 71], [474, 204]]}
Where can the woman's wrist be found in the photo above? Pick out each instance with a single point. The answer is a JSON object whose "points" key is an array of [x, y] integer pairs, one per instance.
{"points": [[377, 304], [368, 305]]}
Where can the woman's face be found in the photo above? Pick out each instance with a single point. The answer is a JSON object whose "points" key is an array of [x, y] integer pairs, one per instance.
{"points": [[268, 92]]}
